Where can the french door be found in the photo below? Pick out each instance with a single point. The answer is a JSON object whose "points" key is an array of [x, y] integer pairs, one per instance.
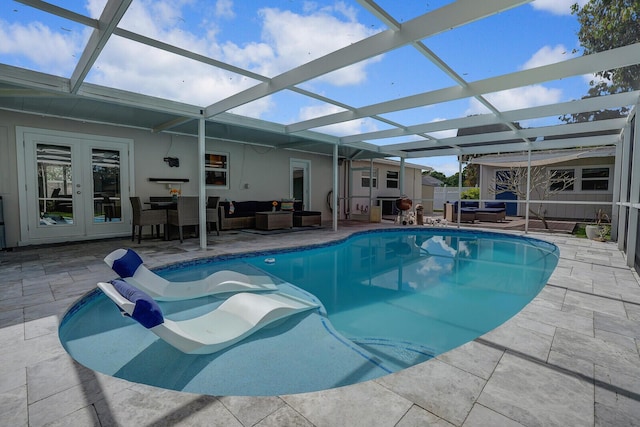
{"points": [[300, 186], [77, 186]]}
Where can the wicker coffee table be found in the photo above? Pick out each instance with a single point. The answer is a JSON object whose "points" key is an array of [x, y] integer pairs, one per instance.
{"points": [[274, 220]]}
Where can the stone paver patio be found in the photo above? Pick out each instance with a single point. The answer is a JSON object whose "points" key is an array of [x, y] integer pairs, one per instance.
{"points": [[569, 358]]}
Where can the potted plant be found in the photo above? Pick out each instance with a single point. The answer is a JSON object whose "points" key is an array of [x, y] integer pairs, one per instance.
{"points": [[599, 230]]}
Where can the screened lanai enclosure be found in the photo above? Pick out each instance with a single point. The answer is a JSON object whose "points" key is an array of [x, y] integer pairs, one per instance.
{"points": [[349, 80]]}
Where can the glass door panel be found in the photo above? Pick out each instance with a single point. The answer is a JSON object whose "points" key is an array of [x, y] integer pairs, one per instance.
{"points": [[75, 185], [55, 185], [106, 186]]}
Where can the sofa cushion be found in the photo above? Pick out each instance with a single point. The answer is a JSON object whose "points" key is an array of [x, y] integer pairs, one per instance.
{"points": [[469, 204], [306, 213], [265, 206], [287, 205], [467, 207], [494, 205], [241, 209]]}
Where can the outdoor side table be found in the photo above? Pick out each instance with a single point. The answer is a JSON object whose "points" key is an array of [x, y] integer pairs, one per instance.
{"points": [[274, 220]]}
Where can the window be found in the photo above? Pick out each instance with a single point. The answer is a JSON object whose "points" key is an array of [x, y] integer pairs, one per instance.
{"points": [[392, 179], [365, 179], [561, 179], [591, 178], [595, 179], [216, 170]]}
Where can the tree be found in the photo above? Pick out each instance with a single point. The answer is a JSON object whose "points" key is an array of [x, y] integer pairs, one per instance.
{"points": [[470, 175], [544, 184], [438, 175], [452, 181], [604, 25]]}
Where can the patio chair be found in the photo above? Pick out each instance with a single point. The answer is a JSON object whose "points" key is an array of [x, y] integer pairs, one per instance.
{"points": [[142, 217], [235, 319], [128, 265], [185, 213], [108, 207], [213, 202]]}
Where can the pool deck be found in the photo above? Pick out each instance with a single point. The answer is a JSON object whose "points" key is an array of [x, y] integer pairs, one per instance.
{"points": [[569, 358]]}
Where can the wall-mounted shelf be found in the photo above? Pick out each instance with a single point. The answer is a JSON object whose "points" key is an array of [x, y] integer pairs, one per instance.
{"points": [[169, 180]]}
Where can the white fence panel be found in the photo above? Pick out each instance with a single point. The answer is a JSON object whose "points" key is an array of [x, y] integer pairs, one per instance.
{"points": [[442, 194]]}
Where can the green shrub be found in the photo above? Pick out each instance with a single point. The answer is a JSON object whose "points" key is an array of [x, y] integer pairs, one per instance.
{"points": [[472, 193]]}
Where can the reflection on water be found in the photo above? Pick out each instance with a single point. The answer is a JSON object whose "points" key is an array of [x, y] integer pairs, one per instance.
{"points": [[395, 298], [438, 288]]}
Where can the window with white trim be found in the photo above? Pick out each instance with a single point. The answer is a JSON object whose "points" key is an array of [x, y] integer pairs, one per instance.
{"points": [[562, 179], [392, 179], [216, 170], [586, 179], [365, 179], [595, 179]]}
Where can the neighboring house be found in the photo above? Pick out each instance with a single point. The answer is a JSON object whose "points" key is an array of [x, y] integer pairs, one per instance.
{"points": [[429, 184], [592, 168], [67, 180], [384, 188]]}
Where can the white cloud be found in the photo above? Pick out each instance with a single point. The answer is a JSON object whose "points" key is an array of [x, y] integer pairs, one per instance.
{"points": [[557, 7], [515, 99], [548, 55], [298, 39], [313, 111], [442, 133], [352, 127], [588, 78], [224, 9], [527, 96], [447, 165], [54, 52], [287, 40]]}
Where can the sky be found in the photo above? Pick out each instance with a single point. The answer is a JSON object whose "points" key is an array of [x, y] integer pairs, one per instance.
{"points": [[270, 37]]}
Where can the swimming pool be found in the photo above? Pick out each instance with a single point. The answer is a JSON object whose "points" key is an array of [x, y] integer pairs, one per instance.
{"points": [[391, 299]]}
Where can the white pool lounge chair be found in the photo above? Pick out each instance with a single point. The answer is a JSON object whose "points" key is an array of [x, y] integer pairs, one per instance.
{"points": [[128, 264], [235, 319]]}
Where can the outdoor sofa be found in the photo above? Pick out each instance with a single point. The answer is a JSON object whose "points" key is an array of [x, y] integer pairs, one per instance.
{"points": [[470, 211], [244, 214]]}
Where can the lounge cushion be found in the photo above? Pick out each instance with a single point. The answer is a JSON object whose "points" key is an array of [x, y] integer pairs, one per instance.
{"points": [[146, 312], [495, 205], [127, 265], [246, 208]]}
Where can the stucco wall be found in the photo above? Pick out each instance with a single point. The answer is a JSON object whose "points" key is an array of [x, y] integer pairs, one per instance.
{"points": [[412, 187], [578, 212], [264, 169]]}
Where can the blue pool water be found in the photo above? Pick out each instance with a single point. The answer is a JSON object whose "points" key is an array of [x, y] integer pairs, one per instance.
{"points": [[390, 299]]}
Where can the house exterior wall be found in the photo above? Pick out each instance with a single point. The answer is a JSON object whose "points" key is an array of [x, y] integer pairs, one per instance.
{"points": [[360, 196], [428, 193], [265, 170], [579, 212]]}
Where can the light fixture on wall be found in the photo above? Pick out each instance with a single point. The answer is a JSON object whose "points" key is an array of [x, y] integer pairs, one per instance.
{"points": [[172, 161]]}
